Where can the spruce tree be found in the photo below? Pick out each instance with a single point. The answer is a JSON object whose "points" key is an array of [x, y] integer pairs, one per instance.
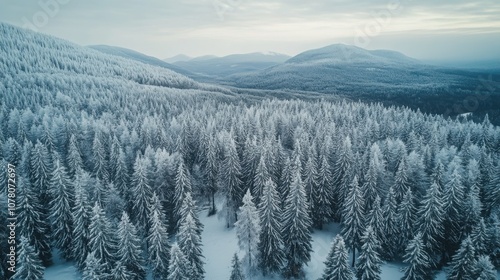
{"points": [[29, 266], [60, 209], [236, 272], [337, 263], [81, 214], [418, 260], [74, 157], [368, 267], [189, 240], [260, 179], [406, 220], [342, 175], [463, 263], [129, 251], [189, 207], [480, 238], [182, 188], [484, 270], [297, 227], [248, 231], [158, 244], [271, 254], [392, 230], [179, 267], [353, 218], [431, 216], [141, 192], [94, 268], [100, 159], [231, 184], [101, 239]]}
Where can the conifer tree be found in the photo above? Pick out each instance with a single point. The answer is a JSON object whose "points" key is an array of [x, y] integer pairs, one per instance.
{"points": [[29, 265], [74, 157], [260, 179], [182, 188], [431, 215], [60, 209], [271, 254], [392, 230], [337, 263], [100, 159], [484, 270], [231, 184], [81, 214], [189, 240], [479, 237], [368, 267], [353, 218], [141, 192], [179, 267], [129, 251], [189, 207], [94, 269], [406, 219], [297, 227], [419, 262], [248, 231], [101, 240], [463, 263], [158, 245], [342, 175], [236, 272]]}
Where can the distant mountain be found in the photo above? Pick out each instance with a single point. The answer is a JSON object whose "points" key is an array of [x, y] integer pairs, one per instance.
{"points": [[134, 55], [177, 58], [218, 67]]}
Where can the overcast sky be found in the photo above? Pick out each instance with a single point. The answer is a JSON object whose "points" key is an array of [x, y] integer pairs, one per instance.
{"points": [[425, 29]]}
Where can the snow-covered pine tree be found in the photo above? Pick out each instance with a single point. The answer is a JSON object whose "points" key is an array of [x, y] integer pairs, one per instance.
{"points": [[182, 188], [311, 184], [353, 219], [230, 182], [211, 170], [60, 209], [236, 272], [81, 214], [120, 272], [463, 263], [158, 244], [480, 238], [419, 262], [337, 262], [100, 158], [323, 196], [484, 270], [297, 227], [376, 220], [368, 266], [406, 219], [342, 176], [260, 179], [189, 240], [431, 216], [141, 192], [271, 254], [101, 239], [30, 222], [129, 251], [248, 231], [94, 268], [392, 230], [29, 265], [74, 157], [401, 181], [453, 198], [179, 267], [121, 178], [189, 207]]}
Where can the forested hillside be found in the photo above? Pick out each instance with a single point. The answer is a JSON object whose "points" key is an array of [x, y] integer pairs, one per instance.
{"points": [[116, 161]]}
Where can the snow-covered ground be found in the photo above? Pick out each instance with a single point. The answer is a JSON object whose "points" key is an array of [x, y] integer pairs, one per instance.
{"points": [[220, 244]]}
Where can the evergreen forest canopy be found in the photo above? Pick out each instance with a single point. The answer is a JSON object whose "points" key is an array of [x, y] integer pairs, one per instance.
{"points": [[114, 157]]}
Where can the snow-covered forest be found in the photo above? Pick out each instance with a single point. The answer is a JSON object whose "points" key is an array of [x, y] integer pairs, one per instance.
{"points": [[116, 162]]}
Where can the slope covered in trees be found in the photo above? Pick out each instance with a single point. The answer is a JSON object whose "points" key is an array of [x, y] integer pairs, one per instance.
{"points": [[110, 165]]}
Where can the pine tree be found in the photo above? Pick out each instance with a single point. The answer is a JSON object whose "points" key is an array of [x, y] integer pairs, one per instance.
{"points": [[236, 272], [376, 220], [101, 241], [81, 214], [311, 184], [463, 263], [368, 267], [431, 215], [453, 199], [189, 207], [29, 265], [231, 184], [120, 272], [211, 170], [271, 254], [297, 227], [342, 175], [94, 269], [141, 192], [30, 222], [260, 179], [179, 267], [74, 157], [337, 263], [401, 181], [129, 251], [100, 159], [479, 237], [248, 231], [158, 245], [484, 270], [285, 181], [189, 240], [406, 219], [121, 179], [182, 188], [353, 218], [60, 209], [392, 230], [418, 259]]}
